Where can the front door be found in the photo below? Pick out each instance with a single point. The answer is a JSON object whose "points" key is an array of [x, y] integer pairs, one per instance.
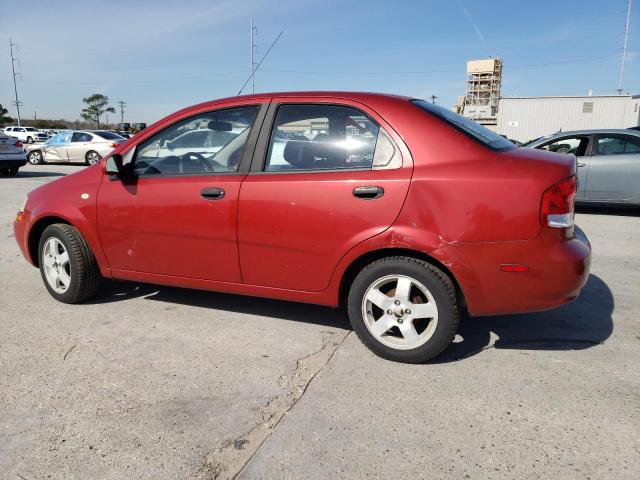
{"points": [[55, 149], [177, 216], [579, 146], [614, 168], [325, 177]]}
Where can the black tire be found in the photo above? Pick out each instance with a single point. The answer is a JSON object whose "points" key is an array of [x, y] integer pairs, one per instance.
{"points": [[10, 172], [84, 272], [440, 287], [92, 154], [29, 140], [35, 157]]}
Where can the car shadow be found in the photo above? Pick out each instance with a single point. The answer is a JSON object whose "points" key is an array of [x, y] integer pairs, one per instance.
{"points": [[23, 174], [293, 311], [609, 210], [582, 324]]}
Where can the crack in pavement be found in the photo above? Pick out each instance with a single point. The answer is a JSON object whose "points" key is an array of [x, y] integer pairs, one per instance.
{"points": [[227, 462]]}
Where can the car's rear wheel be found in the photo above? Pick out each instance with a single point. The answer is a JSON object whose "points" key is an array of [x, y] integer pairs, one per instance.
{"points": [[35, 157], [91, 158], [68, 267], [404, 309]]}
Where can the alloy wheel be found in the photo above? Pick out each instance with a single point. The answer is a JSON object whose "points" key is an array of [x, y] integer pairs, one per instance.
{"points": [[400, 312], [55, 260]]}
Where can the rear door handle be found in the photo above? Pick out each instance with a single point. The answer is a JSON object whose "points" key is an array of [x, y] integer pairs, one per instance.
{"points": [[368, 192], [212, 193]]}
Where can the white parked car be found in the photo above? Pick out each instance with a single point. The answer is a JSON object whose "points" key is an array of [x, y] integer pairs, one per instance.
{"points": [[26, 134], [12, 155], [87, 146]]}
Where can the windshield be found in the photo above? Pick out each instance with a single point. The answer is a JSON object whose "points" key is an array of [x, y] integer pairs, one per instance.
{"points": [[467, 126]]}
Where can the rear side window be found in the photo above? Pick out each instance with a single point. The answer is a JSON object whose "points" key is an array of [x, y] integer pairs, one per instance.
{"points": [[615, 145], [108, 135], [80, 137], [467, 126], [319, 137]]}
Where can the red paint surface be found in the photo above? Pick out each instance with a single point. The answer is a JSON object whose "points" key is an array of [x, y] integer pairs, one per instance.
{"points": [[293, 236]]}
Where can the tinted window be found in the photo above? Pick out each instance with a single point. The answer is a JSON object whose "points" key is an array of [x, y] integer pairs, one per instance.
{"points": [[107, 135], [208, 143], [30, 129], [467, 126], [328, 137], [617, 145], [574, 145], [80, 137]]}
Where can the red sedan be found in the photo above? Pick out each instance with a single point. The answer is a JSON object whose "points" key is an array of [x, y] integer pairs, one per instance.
{"points": [[397, 209]]}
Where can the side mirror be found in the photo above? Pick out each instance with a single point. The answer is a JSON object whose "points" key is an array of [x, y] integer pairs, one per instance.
{"points": [[116, 166]]}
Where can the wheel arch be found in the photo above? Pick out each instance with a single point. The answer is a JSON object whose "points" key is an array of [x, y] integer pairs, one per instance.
{"points": [[35, 233], [365, 259]]}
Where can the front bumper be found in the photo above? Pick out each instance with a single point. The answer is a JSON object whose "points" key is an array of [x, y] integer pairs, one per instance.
{"points": [[558, 268]]}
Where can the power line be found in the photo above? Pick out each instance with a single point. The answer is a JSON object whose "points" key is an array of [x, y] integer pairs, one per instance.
{"points": [[253, 72], [17, 103]]}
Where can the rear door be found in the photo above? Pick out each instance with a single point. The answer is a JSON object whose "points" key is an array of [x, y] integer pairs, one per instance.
{"points": [[78, 147], [326, 176], [614, 168]]}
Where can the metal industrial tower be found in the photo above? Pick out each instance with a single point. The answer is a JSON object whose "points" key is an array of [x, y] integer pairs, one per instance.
{"points": [[484, 79]]}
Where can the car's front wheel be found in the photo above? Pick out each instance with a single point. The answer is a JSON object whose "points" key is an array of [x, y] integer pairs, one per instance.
{"points": [[35, 157], [67, 265], [91, 158], [404, 309]]}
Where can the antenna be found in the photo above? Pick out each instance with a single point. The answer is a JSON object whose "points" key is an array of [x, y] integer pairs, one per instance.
{"points": [[624, 47], [260, 62], [254, 32], [17, 103]]}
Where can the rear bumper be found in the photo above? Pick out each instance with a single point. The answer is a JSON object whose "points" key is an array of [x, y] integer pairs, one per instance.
{"points": [[558, 269], [10, 163]]}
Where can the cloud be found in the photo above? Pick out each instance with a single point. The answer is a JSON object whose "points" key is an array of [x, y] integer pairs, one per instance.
{"points": [[475, 27]]}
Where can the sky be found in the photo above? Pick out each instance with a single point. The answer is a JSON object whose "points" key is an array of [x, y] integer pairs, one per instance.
{"points": [[160, 56]]}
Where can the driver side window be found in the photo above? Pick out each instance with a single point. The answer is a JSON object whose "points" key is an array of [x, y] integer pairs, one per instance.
{"points": [[209, 143]]}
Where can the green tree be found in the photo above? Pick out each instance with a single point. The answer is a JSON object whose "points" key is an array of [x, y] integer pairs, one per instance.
{"points": [[4, 118], [97, 105]]}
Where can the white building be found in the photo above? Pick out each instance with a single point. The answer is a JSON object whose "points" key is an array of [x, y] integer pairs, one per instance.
{"points": [[527, 118]]}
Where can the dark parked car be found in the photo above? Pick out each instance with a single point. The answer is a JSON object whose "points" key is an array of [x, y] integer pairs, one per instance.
{"points": [[399, 210]]}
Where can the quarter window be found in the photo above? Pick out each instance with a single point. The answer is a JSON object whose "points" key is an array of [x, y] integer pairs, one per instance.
{"points": [[617, 145], [328, 137], [209, 143]]}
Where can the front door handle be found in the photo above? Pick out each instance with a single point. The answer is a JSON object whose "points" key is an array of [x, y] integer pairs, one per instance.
{"points": [[581, 164], [368, 192], [212, 193]]}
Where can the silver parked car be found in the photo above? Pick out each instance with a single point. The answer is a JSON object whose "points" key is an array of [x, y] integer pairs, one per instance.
{"points": [[608, 163], [12, 155], [87, 146]]}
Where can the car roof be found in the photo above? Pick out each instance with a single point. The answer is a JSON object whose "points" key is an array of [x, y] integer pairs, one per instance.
{"points": [[595, 131]]}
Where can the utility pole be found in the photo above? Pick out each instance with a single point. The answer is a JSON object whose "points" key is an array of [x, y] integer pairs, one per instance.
{"points": [[17, 103], [624, 47], [260, 63], [122, 105], [35, 119], [253, 61]]}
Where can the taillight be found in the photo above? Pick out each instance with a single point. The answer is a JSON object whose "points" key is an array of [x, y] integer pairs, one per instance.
{"points": [[18, 144], [556, 210]]}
